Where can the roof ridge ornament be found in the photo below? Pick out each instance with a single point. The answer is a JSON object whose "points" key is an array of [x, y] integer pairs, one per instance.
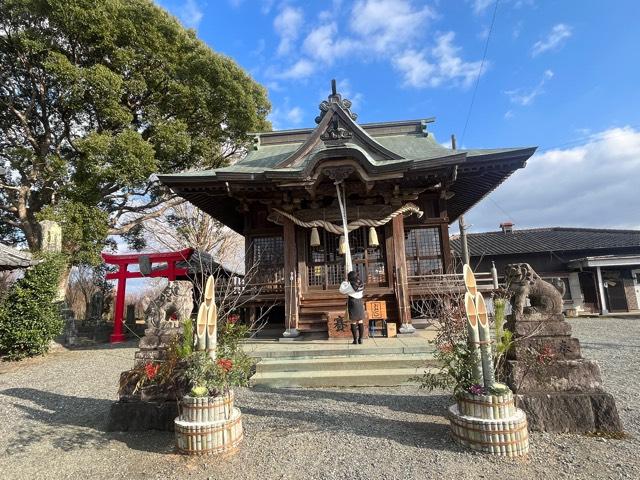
{"points": [[335, 98]]}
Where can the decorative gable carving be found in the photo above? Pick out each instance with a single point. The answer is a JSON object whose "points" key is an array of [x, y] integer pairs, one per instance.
{"points": [[336, 127]]}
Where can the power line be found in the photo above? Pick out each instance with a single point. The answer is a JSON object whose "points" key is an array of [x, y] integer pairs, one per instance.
{"points": [[475, 88]]}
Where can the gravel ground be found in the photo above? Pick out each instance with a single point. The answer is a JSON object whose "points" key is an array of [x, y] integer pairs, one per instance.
{"points": [[53, 411]]}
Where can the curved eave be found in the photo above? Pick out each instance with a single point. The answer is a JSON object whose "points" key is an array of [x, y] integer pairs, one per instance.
{"points": [[482, 174]]}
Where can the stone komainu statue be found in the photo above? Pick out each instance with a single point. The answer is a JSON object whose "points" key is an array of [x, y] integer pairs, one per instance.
{"points": [[543, 296], [174, 303]]}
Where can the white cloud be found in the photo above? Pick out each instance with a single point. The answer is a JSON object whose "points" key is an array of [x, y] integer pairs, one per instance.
{"points": [[479, 6], [323, 43], [415, 68], [294, 115], [286, 117], [590, 185], [387, 24], [287, 25], [303, 68], [524, 97], [356, 98], [517, 29], [383, 30], [508, 114], [554, 39], [433, 68], [189, 12]]}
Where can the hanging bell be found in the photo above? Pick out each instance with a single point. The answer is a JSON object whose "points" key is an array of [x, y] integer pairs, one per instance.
{"points": [[373, 237], [315, 238], [342, 246]]}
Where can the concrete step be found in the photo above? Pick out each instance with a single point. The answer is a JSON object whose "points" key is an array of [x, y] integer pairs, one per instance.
{"points": [[345, 363], [340, 378], [339, 350]]}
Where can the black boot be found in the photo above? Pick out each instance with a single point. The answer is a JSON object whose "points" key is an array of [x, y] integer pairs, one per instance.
{"points": [[354, 333], [360, 332]]}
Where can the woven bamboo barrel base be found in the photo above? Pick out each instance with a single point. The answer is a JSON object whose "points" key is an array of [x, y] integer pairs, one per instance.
{"points": [[207, 409], [505, 436], [488, 407], [210, 438]]}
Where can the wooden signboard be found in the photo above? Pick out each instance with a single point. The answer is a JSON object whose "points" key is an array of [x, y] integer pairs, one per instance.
{"points": [[339, 327], [376, 310], [391, 330]]}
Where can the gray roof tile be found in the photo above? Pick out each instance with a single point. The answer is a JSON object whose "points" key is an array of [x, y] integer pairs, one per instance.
{"points": [[552, 239], [12, 258]]}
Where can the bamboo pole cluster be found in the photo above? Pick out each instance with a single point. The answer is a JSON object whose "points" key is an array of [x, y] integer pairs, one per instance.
{"points": [[478, 331], [487, 423], [207, 321]]}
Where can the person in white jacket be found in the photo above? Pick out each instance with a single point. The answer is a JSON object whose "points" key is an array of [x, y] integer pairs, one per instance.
{"points": [[354, 288]]}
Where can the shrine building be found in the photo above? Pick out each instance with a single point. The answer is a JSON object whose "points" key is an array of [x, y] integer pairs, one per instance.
{"points": [[402, 190]]}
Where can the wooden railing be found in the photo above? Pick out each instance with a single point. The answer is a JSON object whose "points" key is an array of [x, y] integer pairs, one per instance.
{"points": [[238, 286], [442, 282]]}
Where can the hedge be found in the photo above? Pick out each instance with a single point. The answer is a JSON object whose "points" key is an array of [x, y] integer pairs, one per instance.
{"points": [[29, 315]]}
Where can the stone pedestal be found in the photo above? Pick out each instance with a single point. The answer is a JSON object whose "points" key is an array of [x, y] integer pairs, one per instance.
{"points": [[558, 389], [153, 346], [151, 407], [140, 415]]}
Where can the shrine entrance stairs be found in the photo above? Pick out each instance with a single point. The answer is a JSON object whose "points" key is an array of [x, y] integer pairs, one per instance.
{"points": [[377, 362]]}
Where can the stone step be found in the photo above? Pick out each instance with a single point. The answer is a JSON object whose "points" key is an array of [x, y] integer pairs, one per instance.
{"points": [[340, 378], [345, 363], [340, 349]]}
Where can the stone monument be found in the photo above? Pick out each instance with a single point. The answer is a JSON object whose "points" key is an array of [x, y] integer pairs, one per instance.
{"points": [[558, 389], [50, 236]]}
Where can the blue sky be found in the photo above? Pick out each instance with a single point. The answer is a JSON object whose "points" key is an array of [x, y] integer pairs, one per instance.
{"points": [[562, 75]]}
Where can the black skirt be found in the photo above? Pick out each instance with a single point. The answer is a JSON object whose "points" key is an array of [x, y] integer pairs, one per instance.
{"points": [[355, 307]]}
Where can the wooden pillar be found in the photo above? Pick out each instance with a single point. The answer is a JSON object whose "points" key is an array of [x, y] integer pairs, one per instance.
{"points": [[445, 245], [401, 280], [118, 312], [290, 275]]}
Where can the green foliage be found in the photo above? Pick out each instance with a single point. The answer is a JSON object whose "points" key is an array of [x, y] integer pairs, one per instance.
{"points": [[29, 318], [499, 306], [455, 369], [503, 337], [232, 367], [84, 229], [95, 97], [185, 346]]}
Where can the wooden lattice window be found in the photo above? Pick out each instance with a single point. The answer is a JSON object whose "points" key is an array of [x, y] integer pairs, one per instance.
{"points": [[267, 256], [326, 266], [423, 251]]}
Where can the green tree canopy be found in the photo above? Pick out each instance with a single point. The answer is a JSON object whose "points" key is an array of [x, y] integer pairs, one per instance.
{"points": [[97, 96]]}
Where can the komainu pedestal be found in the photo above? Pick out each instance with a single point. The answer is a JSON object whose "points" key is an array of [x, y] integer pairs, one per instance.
{"points": [[558, 389], [153, 407]]}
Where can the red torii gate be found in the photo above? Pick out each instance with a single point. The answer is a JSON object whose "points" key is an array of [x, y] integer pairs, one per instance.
{"points": [[171, 272]]}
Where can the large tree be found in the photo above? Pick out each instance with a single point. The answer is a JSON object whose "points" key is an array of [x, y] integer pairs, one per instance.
{"points": [[97, 96]]}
